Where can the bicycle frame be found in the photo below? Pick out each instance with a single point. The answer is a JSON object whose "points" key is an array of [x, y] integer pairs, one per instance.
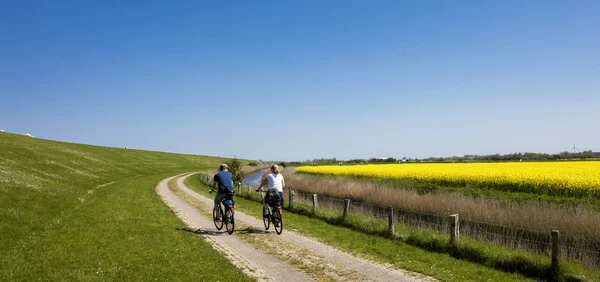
{"points": [[270, 216], [225, 210], [229, 211]]}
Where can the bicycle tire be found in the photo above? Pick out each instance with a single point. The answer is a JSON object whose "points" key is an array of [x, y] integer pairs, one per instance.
{"points": [[218, 221], [229, 220], [278, 221], [266, 218]]}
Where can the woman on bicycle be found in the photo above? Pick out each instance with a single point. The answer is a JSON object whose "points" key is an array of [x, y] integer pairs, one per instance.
{"points": [[275, 181]]}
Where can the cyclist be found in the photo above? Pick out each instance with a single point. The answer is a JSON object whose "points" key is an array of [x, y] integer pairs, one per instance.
{"points": [[224, 180], [275, 181]]}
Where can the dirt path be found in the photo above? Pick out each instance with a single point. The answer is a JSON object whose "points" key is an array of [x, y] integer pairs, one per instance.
{"points": [[269, 257]]}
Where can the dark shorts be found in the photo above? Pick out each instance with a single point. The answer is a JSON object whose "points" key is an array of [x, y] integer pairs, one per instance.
{"points": [[219, 198]]}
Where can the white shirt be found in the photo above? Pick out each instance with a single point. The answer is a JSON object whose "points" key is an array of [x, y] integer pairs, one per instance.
{"points": [[275, 181]]}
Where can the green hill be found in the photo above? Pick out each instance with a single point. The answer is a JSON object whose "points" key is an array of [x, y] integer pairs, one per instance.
{"points": [[81, 212]]}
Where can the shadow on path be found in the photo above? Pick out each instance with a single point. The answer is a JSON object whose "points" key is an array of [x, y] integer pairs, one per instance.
{"points": [[211, 232], [251, 230], [214, 232]]}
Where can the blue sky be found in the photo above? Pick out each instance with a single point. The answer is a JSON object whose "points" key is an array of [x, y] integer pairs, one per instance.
{"points": [[296, 80]]}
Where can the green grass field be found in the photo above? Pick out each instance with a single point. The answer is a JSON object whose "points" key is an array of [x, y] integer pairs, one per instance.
{"points": [[81, 212]]}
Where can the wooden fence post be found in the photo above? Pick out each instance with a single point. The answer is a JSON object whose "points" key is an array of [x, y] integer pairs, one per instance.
{"points": [[291, 196], [390, 220], [555, 249], [315, 203], [454, 228], [346, 206]]}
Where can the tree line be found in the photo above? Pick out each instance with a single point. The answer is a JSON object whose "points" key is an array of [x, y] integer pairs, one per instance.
{"points": [[527, 156]]}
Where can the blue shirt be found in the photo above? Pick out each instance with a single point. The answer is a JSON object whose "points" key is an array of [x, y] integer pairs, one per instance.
{"points": [[225, 181]]}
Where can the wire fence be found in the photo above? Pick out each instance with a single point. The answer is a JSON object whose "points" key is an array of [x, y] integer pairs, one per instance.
{"points": [[583, 250]]}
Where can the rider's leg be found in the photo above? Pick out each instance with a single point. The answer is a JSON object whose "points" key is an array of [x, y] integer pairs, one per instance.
{"points": [[281, 195], [218, 199], [265, 206]]}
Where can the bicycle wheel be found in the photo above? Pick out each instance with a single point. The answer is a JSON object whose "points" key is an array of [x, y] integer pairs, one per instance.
{"points": [[266, 218], [218, 221], [277, 221], [229, 221]]}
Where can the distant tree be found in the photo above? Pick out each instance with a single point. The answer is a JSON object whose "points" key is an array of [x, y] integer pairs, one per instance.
{"points": [[587, 154], [253, 163], [282, 164], [235, 167], [564, 155]]}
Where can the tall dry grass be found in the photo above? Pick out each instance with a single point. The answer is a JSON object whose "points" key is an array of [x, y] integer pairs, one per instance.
{"points": [[513, 225], [579, 221]]}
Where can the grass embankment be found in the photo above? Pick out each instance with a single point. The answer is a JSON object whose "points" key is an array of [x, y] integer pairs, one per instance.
{"points": [[80, 212], [366, 237]]}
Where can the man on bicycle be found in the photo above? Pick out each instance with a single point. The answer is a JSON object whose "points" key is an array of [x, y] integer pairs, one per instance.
{"points": [[224, 180]]}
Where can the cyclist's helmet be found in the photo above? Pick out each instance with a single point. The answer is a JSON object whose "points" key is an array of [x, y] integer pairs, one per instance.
{"points": [[223, 166]]}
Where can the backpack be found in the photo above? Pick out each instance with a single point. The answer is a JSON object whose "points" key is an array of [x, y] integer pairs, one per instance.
{"points": [[272, 198], [230, 191]]}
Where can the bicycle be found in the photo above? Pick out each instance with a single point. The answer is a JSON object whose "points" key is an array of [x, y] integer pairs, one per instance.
{"points": [[226, 216], [272, 214]]}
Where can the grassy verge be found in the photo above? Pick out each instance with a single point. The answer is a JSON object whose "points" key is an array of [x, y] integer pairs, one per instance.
{"points": [[360, 236], [78, 212]]}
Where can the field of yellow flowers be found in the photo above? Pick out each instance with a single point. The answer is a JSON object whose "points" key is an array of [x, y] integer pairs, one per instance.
{"points": [[552, 178]]}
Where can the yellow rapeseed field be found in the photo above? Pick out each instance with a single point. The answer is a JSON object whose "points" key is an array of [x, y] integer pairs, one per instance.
{"points": [[554, 178]]}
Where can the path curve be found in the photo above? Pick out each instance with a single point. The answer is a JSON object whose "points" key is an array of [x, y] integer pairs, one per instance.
{"points": [[253, 262], [332, 263]]}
